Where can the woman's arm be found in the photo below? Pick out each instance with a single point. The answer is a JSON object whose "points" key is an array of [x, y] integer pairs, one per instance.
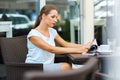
{"points": [[64, 43], [58, 50]]}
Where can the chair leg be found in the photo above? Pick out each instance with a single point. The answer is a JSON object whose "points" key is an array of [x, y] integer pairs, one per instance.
{"points": [[2, 72], [102, 76]]}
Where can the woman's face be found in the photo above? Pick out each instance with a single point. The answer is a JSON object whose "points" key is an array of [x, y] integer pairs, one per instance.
{"points": [[51, 18]]}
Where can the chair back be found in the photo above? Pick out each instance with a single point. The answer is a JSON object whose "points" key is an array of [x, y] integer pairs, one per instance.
{"points": [[14, 49], [5, 27], [83, 73]]}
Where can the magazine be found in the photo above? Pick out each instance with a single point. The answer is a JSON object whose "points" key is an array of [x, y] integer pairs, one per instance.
{"points": [[93, 48]]}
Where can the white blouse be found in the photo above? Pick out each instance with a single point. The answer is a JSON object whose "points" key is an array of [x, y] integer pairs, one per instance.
{"points": [[36, 54]]}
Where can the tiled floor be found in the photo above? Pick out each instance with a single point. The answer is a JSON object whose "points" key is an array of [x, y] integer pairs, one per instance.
{"points": [[2, 72]]}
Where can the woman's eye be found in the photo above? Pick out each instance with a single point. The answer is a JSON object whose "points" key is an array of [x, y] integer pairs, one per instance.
{"points": [[53, 16]]}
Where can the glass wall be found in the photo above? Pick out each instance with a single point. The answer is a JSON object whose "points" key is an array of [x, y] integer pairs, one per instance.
{"points": [[107, 15], [68, 27], [23, 14], [103, 12]]}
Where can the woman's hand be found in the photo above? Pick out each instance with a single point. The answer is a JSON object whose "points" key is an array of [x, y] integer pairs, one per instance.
{"points": [[86, 47], [88, 44], [83, 49]]}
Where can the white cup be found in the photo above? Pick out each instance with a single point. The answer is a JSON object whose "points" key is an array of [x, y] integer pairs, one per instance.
{"points": [[104, 47], [112, 43]]}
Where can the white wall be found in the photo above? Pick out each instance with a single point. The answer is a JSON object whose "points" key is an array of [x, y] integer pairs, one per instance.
{"points": [[87, 24]]}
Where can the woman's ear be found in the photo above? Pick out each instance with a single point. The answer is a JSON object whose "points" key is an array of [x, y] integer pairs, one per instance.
{"points": [[43, 15]]}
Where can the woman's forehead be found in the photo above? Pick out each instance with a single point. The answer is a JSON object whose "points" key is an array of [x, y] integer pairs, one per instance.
{"points": [[54, 12]]}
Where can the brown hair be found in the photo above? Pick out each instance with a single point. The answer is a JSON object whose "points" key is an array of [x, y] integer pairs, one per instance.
{"points": [[45, 10]]}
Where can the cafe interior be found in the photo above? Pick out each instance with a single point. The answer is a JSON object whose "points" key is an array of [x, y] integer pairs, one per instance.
{"points": [[79, 22]]}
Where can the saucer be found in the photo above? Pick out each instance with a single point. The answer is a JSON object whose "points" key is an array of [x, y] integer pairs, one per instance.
{"points": [[108, 51], [104, 52]]}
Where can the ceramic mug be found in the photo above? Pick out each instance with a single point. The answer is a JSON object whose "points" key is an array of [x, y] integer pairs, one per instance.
{"points": [[104, 47]]}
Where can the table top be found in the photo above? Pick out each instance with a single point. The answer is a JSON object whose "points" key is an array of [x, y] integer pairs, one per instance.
{"points": [[80, 58]]}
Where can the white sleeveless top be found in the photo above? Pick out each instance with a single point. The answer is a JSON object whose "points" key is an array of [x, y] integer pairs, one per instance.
{"points": [[36, 54]]}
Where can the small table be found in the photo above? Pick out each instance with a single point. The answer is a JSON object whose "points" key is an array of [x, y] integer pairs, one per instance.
{"points": [[80, 59], [76, 58]]}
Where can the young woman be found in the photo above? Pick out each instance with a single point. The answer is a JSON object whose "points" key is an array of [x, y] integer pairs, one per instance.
{"points": [[41, 42]]}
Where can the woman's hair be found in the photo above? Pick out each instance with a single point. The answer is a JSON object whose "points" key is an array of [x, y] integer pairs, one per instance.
{"points": [[45, 10]]}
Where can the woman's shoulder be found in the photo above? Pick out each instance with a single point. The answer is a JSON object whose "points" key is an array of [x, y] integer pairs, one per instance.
{"points": [[33, 32], [52, 29]]}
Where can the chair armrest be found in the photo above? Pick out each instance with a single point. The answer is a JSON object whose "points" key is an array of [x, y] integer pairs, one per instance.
{"points": [[15, 71], [25, 66]]}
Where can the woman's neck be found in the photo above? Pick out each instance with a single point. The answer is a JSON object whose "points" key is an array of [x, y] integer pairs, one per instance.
{"points": [[42, 27]]}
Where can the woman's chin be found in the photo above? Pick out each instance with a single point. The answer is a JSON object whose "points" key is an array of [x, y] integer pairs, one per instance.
{"points": [[52, 26]]}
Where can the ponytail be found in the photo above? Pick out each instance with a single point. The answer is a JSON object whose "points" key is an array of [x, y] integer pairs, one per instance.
{"points": [[37, 22]]}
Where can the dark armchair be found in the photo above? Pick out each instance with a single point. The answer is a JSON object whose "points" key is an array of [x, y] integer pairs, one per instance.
{"points": [[83, 73], [14, 52]]}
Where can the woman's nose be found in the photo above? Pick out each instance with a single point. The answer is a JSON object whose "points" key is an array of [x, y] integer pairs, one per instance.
{"points": [[55, 20]]}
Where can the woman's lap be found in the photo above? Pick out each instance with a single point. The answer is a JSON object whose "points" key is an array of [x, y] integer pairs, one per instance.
{"points": [[52, 67]]}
